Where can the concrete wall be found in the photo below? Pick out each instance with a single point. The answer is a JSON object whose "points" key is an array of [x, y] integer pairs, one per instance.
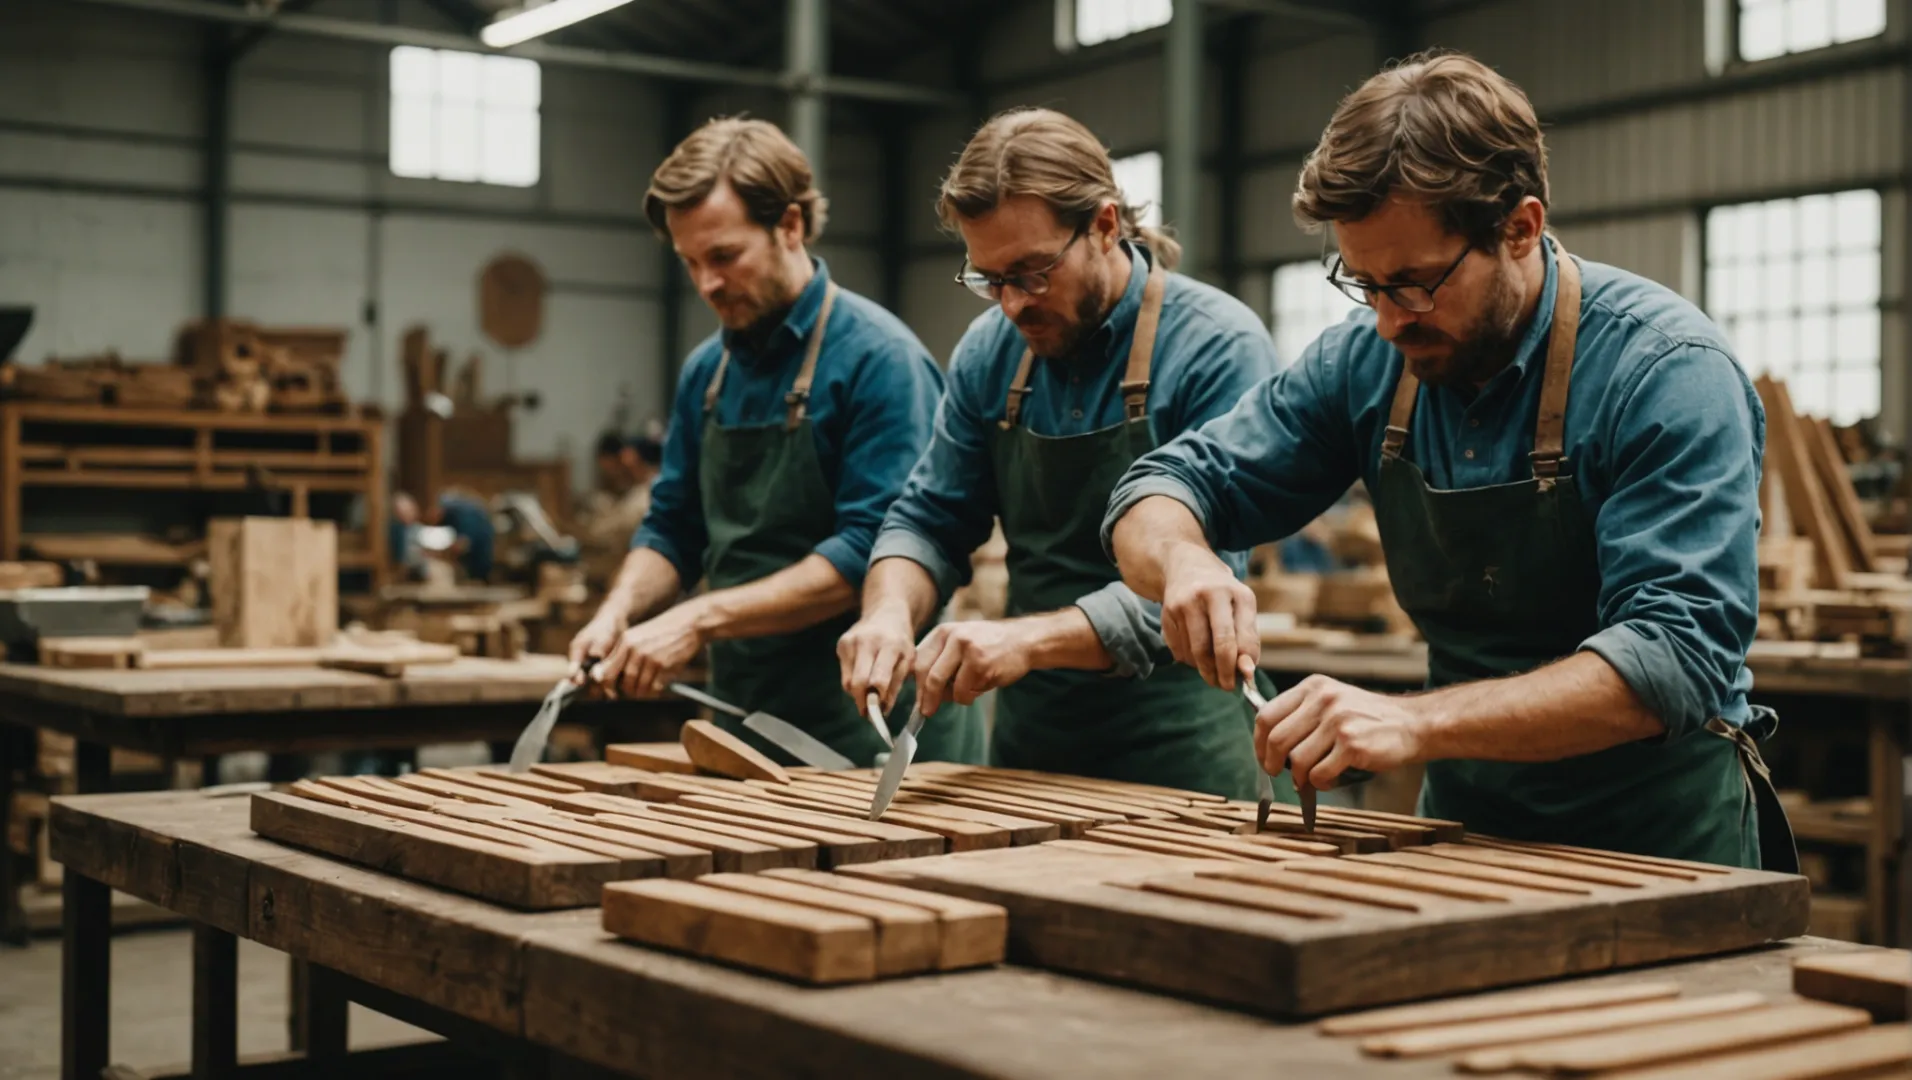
{"points": [[102, 124]]}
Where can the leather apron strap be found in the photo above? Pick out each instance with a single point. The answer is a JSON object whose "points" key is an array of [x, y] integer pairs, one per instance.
{"points": [[1778, 850], [797, 401], [1135, 378], [1550, 424]]}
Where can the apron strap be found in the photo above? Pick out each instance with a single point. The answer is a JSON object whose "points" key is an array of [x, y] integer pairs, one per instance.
{"points": [[1405, 392], [716, 382], [1551, 423], [797, 401], [1135, 378]]}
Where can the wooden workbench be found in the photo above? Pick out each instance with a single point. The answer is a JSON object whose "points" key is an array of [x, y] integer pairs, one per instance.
{"points": [[538, 989], [1875, 694], [186, 714]]}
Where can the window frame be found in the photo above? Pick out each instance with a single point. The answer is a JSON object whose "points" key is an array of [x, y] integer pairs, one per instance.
{"points": [[488, 115]]}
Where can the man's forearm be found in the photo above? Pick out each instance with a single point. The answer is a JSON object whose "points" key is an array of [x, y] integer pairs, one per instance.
{"points": [[900, 585], [1063, 639], [645, 583], [798, 596], [1570, 707], [1145, 541]]}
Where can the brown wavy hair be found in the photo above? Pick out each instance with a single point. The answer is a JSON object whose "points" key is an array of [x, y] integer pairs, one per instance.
{"points": [[759, 162], [1440, 128], [1041, 152]]}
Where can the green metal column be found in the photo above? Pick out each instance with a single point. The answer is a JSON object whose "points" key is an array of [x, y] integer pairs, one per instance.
{"points": [[217, 195], [1182, 129], [806, 55]]}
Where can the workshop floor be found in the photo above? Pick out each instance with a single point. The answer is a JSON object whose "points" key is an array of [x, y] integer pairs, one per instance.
{"points": [[152, 1005]]}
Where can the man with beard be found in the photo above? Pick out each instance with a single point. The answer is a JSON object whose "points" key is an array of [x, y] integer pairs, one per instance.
{"points": [[1564, 461], [792, 430], [1093, 354]]}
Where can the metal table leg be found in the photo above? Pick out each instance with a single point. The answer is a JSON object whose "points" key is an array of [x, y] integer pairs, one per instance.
{"points": [[86, 962], [215, 1003], [13, 919], [319, 1023]]}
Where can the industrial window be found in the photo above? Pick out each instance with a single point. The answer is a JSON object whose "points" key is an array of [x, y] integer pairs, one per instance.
{"points": [[1795, 285], [1092, 22], [1140, 178], [1769, 28], [464, 116], [1304, 304]]}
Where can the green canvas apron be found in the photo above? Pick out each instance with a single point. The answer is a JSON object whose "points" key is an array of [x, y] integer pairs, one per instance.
{"points": [[1171, 728], [767, 504], [1504, 579]]}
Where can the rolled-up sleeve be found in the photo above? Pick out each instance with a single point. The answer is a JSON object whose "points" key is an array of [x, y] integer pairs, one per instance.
{"points": [[674, 525], [948, 505], [891, 411], [1678, 535], [1261, 471]]}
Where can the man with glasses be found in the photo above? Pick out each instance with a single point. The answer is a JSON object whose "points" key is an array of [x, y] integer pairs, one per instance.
{"points": [[1564, 460], [1093, 353]]}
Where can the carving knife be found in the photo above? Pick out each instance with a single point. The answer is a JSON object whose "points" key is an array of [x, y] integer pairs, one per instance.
{"points": [[783, 734], [873, 708], [900, 757], [1264, 787], [530, 745]]}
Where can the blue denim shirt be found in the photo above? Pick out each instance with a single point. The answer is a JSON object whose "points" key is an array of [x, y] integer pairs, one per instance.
{"points": [[872, 401], [1209, 350], [1663, 438]]}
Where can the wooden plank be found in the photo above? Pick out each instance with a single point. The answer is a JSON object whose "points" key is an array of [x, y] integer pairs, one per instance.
{"points": [[517, 876], [680, 860], [1478, 872], [713, 749], [654, 757], [274, 581], [1660, 1043], [1539, 864], [1374, 896], [632, 862], [492, 785], [1879, 1053], [530, 779], [972, 934], [1022, 830], [901, 842], [1880, 982], [1450, 1039], [1401, 877], [1119, 787], [728, 852], [448, 789], [1060, 797], [785, 939], [906, 937], [1239, 894], [1805, 498], [1661, 869], [1160, 847], [183, 659], [1199, 844], [834, 847], [1494, 1007], [1823, 450]]}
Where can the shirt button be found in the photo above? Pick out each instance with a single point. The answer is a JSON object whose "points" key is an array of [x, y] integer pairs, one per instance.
{"points": [[1469, 455], [1077, 414]]}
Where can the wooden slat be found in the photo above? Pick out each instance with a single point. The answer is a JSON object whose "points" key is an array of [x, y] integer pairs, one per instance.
{"points": [[907, 938], [768, 935], [1878, 981], [1374, 896], [1237, 894], [1198, 844], [971, 934], [447, 789], [1805, 499], [655, 757], [835, 847], [1823, 449], [1597, 858], [1641, 1047], [1401, 877], [1450, 1039], [1539, 864], [680, 860], [1478, 872], [1880, 1053], [529, 779], [729, 850], [900, 842], [1161, 847], [713, 749], [1495, 1007]]}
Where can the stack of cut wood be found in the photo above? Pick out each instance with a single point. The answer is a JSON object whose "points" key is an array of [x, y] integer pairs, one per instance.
{"points": [[1356, 597], [107, 379], [239, 366], [1824, 574], [1654, 1028]]}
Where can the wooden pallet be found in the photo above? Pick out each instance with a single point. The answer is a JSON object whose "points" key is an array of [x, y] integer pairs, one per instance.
{"points": [[1304, 936]]}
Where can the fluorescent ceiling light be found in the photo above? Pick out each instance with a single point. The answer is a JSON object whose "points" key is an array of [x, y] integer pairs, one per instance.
{"points": [[525, 23]]}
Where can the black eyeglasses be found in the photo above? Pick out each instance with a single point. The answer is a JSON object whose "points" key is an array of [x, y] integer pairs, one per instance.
{"points": [[1418, 299], [1034, 283]]}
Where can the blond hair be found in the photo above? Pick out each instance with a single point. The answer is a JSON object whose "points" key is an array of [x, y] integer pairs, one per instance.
{"points": [[759, 162], [1442, 129], [1043, 153]]}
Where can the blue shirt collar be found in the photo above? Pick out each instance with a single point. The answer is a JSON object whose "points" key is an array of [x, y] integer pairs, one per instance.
{"points": [[795, 328], [1126, 310], [1536, 336]]}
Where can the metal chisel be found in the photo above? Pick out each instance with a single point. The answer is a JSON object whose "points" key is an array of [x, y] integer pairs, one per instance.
{"points": [[1264, 786], [530, 745], [781, 733]]}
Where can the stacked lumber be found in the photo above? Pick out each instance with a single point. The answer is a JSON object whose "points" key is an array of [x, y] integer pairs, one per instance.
{"points": [[389, 658], [1356, 598], [1307, 936], [1633, 1030], [106, 379], [1824, 574], [807, 925], [240, 366]]}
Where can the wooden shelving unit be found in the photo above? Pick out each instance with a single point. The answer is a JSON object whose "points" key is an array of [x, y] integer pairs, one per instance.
{"points": [[55, 445]]}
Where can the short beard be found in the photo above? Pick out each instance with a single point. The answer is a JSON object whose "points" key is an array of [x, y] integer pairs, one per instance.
{"points": [[1088, 317], [1487, 346], [767, 308]]}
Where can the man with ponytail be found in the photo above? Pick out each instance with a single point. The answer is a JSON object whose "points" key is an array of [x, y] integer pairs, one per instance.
{"points": [[1093, 354]]}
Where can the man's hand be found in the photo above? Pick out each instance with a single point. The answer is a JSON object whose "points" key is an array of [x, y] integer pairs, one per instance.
{"points": [[877, 654], [648, 654], [595, 641], [962, 661], [1208, 617], [1321, 728]]}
